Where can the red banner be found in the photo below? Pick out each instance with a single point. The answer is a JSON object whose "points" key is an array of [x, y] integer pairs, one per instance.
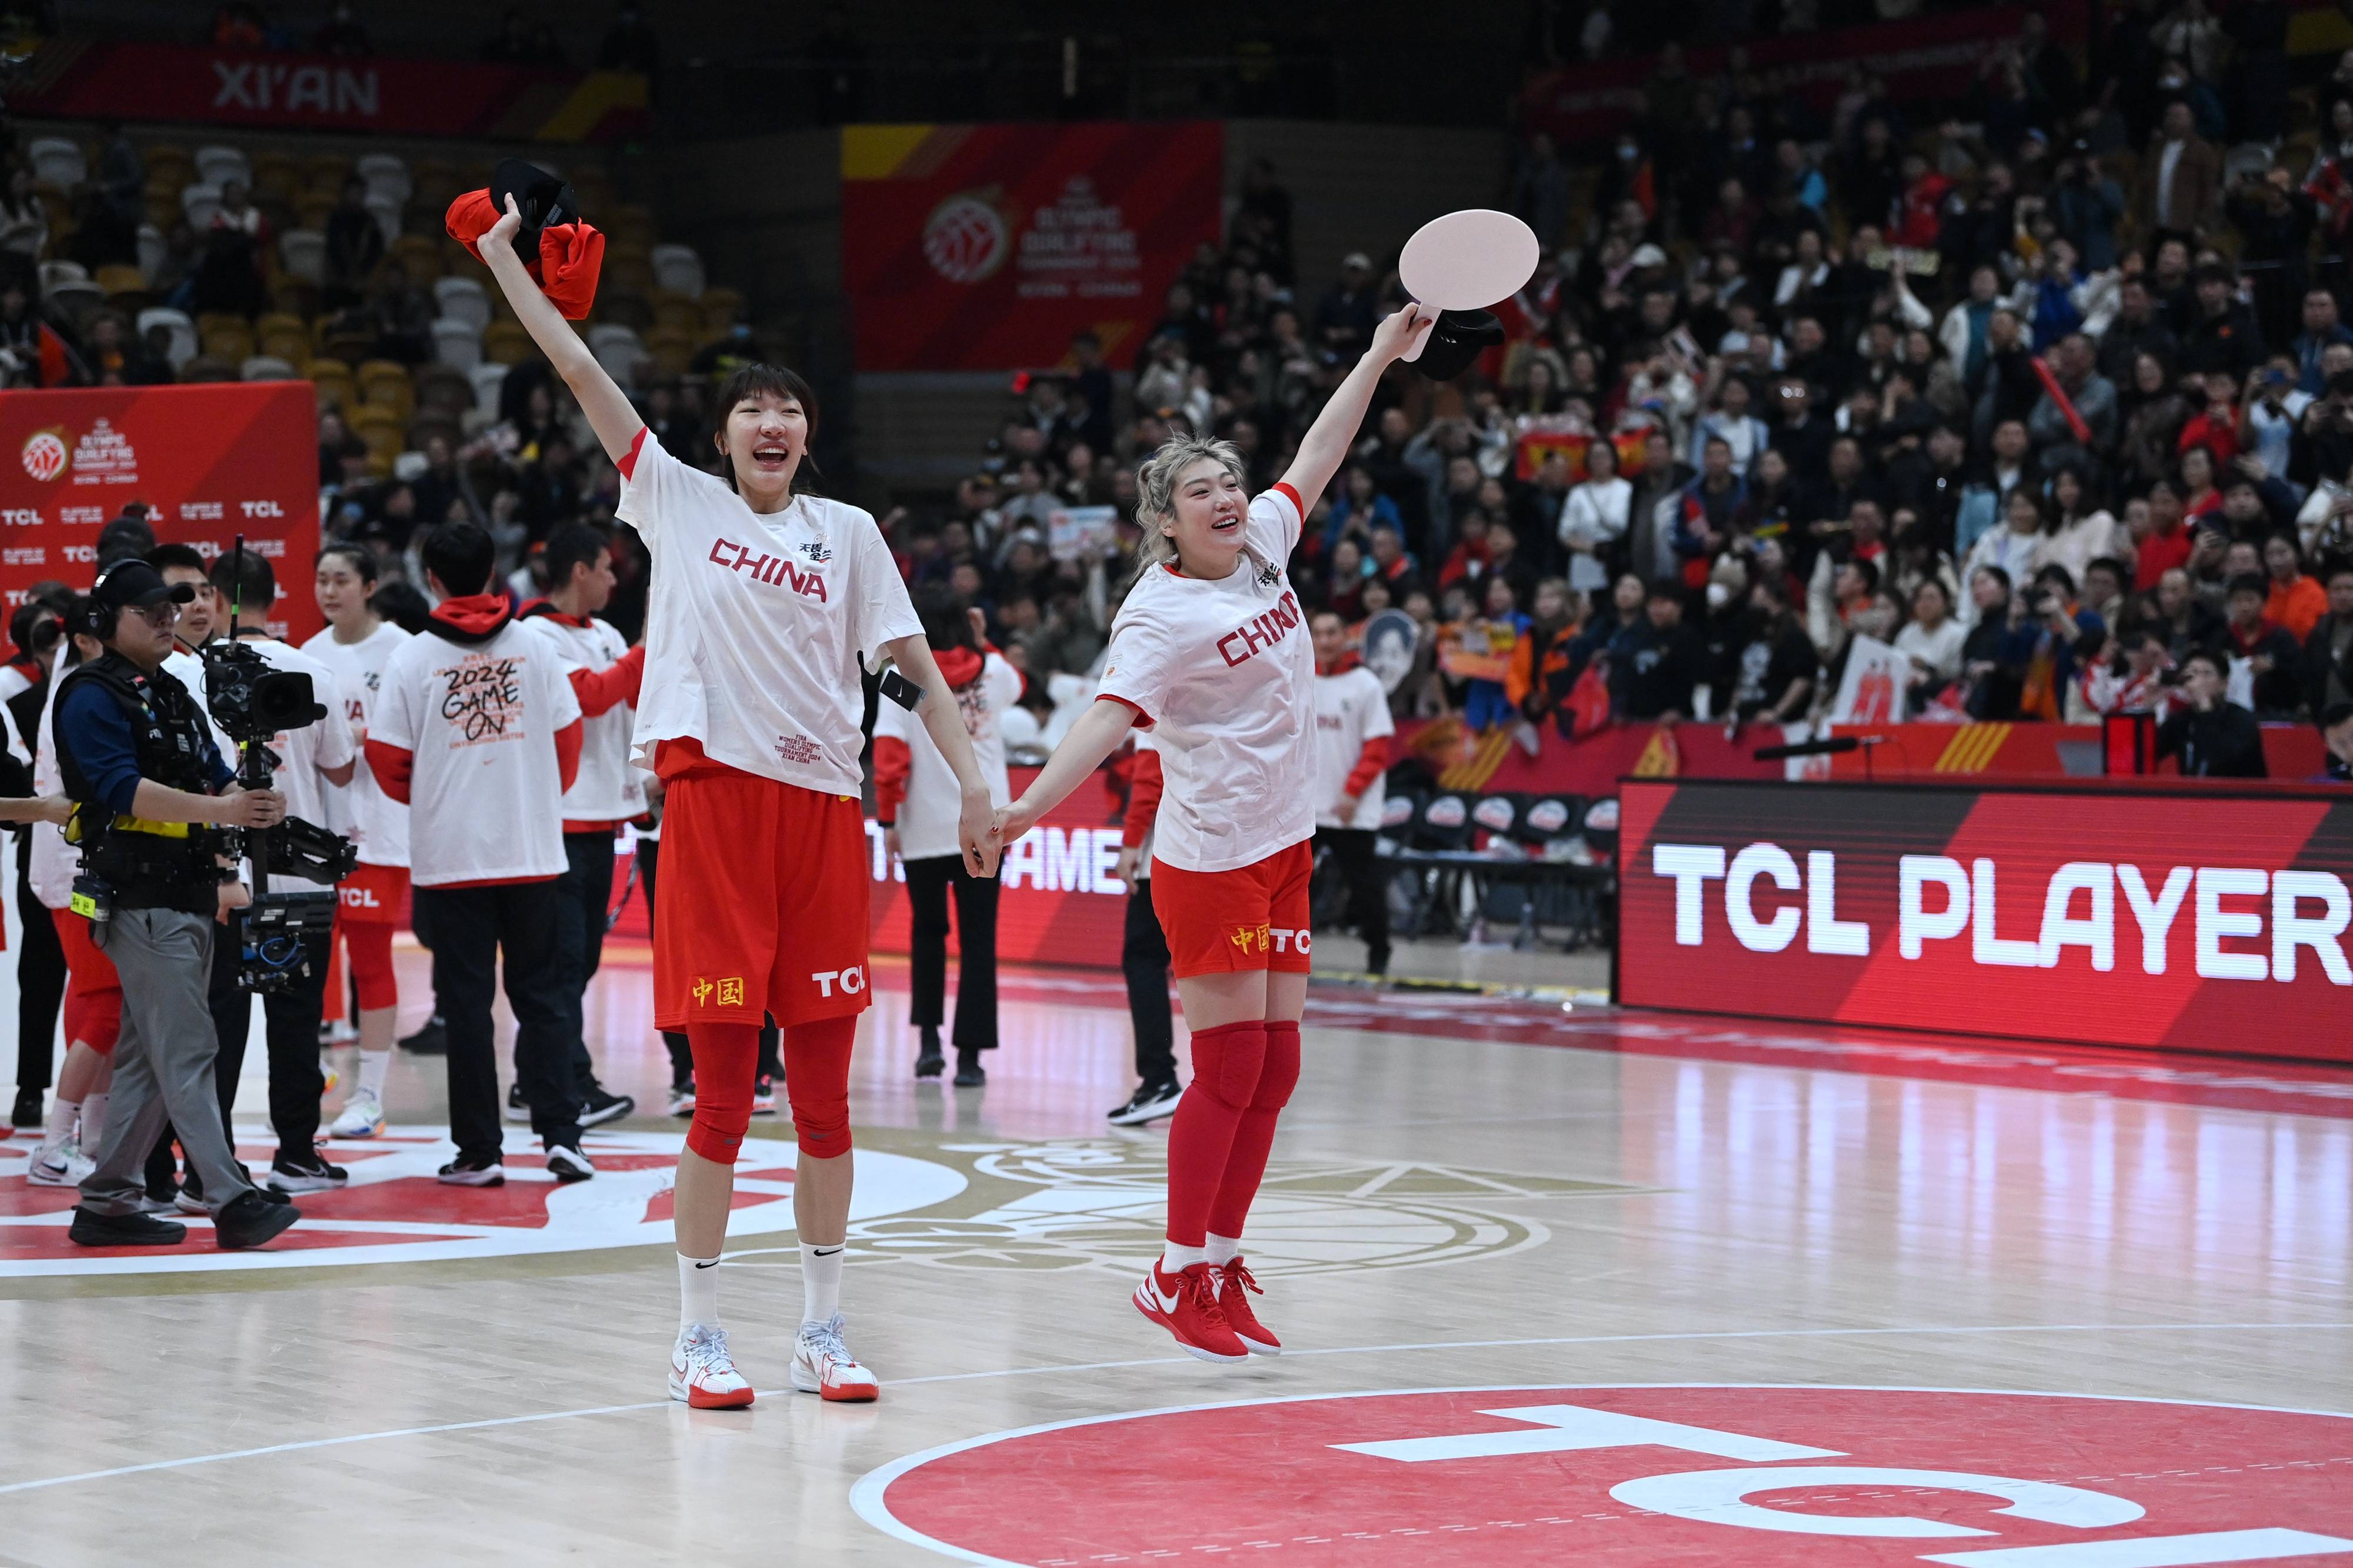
{"points": [[208, 462], [1925, 61], [2188, 918], [987, 247], [97, 79]]}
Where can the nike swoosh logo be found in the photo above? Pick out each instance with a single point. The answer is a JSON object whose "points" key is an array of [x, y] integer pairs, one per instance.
{"points": [[1152, 1288], [713, 1264]]}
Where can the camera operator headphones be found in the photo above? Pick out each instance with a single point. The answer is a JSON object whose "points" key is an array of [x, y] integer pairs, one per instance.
{"points": [[127, 585]]}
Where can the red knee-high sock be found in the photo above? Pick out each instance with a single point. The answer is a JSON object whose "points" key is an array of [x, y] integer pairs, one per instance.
{"points": [[1227, 1062], [1254, 1133], [726, 1060]]}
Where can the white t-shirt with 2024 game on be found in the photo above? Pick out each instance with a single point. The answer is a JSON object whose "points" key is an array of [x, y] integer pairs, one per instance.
{"points": [[757, 623], [485, 794], [1224, 673]]}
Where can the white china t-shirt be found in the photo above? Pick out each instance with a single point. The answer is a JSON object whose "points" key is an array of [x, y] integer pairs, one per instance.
{"points": [[608, 789], [1351, 709], [378, 823]]}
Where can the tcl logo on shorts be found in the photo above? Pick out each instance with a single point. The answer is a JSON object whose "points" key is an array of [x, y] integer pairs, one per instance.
{"points": [[851, 980], [358, 898], [1267, 939]]}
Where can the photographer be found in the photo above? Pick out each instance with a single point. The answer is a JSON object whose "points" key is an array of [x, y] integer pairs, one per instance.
{"points": [[2214, 738], [148, 783], [309, 758]]}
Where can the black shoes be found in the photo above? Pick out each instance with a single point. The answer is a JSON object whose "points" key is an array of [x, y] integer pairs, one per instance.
{"points": [[473, 1170], [428, 1041], [311, 1175], [28, 1113], [566, 1163], [968, 1073], [1150, 1102], [125, 1230], [251, 1220], [929, 1062], [602, 1106]]}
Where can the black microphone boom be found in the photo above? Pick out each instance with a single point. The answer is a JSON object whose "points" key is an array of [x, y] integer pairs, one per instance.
{"points": [[1830, 747]]}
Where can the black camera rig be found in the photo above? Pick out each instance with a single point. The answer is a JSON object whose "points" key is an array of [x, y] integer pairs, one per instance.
{"points": [[253, 701]]}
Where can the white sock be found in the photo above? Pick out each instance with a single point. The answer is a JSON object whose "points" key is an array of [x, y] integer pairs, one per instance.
{"points": [[1175, 1259], [63, 1114], [698, 1291], [374, 1067], [821, 1281], [93, 1122], [1224, 1249]]}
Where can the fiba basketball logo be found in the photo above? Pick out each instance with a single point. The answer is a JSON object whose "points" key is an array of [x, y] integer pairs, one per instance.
{"points": [[45, 455], [965, 239]]}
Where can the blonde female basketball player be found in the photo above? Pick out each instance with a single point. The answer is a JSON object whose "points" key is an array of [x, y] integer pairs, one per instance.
{"points": [[765, 602], [1211, 652]]}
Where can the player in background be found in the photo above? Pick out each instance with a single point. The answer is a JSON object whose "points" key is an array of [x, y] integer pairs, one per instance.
{"points": [[1144, 950], [476, 728], [1209, 652], [39, 634], [605, 672], [915, 799], [355, 645], [766, 604], [311, 761], [1352, 751]]}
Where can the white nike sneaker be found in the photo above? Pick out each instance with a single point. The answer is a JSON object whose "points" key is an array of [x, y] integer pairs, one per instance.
{"points": [[823, 1365], [60, 1167], [361, 1116], [704, 1375]]}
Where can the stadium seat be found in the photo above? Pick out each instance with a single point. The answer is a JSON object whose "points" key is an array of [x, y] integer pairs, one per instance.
{"points": [[385, 174], [168, 159], [623, 307], [720, 309], [77, 299], [419, 256], [489, 378], [303, 251], [672, 351], [606, 335], [113, 281], [152, 250], [266, 367], [208, 367], [385, 382], [183, 332], [53, 273], [626, 271], [678, 270], [332, 377], [230, 338], [432, 422], [349, 343], [622, 357], [456, 343], [284, 335], [1546, 817], [1398, 809], [1443, 820], [387, 213], [674, 312], [200, 204], [57, 163], [506, 343], [217, 166], [325, 172], [278, 175], [384, 430], [463, 299]]}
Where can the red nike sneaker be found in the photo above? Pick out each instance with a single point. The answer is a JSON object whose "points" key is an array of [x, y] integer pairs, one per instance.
{"points": [[1186, 1304], [1236, 1286]]}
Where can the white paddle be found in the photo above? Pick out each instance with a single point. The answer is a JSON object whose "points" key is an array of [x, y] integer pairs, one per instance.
{"points": [[1466, 260]]}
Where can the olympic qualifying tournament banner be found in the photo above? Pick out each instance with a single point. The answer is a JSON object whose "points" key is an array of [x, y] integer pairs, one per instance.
{"points": [[209, 461], [2184, 919], [987, 247]]}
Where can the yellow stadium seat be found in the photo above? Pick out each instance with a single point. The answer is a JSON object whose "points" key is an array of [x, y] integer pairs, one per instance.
{"points": [[419, 256], [386, 432], [233, 343], [276, 174], [505, 342], [121, 281], [385, 382], [332, 377]]}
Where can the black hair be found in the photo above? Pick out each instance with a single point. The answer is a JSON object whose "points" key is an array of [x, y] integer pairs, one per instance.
{"points": [[359, 557], [2110, 564], [1868, 571], [245, 579], [2054, 573], [462, 556], [187, 557], [2249, 582], [948, 621], [2208, 657], [571, 544], [123, 538], [401, 602], [757, 380]]}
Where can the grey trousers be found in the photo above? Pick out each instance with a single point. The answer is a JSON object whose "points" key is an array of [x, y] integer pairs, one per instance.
{"points": [[162, 1063]]}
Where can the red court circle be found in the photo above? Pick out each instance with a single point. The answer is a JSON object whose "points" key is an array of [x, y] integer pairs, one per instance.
{"points": [[1437, 1477]]}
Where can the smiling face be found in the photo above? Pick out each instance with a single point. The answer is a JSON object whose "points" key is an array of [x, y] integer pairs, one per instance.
{"points": [[765, 437], [1206, 508]]}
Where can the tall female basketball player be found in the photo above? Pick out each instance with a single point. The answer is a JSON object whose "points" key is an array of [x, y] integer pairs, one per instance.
{"points": [[1212, 654], [765, 600]]}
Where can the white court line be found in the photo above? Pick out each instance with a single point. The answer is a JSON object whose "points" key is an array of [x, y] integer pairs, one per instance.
{"points": [[1176, 1360]]}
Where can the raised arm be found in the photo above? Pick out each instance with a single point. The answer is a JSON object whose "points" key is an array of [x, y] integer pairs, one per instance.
{"points": [[944, 721], [610, 413], [1325, 446]]}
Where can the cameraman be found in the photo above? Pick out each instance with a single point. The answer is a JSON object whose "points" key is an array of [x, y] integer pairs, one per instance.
{"points": [[138, 763], [309, 759]]}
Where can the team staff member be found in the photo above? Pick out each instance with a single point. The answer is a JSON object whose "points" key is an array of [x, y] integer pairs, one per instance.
{"points": [[1208, 650], [915, 799], [765, 604], [312, 760], [1352, 750], [139, 761], [1144, 950], [477, 731], [356, 645], [605, 672]]}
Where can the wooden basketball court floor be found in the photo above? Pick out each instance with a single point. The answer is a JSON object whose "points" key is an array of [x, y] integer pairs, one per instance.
{"points": [[2009, 1305]]}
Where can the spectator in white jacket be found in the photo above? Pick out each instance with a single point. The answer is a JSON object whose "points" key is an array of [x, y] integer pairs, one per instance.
{"points": [[1593, 517]]}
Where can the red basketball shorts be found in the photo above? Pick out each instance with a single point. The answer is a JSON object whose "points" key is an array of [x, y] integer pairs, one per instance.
{"points": [[763, 902], [93, 1002], [1252, 917], [373, 895]]}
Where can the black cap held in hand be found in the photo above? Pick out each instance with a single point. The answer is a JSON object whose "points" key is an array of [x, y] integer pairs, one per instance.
{"points": [[1456, 341], [540, 196]]}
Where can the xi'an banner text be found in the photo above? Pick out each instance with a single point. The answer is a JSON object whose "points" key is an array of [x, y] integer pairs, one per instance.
{"points": [[1925, 59], [987, 247], [208, 462], [2199, 920], [103, 79]]}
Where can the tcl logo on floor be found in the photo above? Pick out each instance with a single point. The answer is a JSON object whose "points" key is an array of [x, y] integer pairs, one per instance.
{"points": [[1822, 1477]]}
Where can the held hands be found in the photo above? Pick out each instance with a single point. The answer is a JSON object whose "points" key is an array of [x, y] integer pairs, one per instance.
{"points": [[1011, 822], [252, 808], [976, 833]]}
